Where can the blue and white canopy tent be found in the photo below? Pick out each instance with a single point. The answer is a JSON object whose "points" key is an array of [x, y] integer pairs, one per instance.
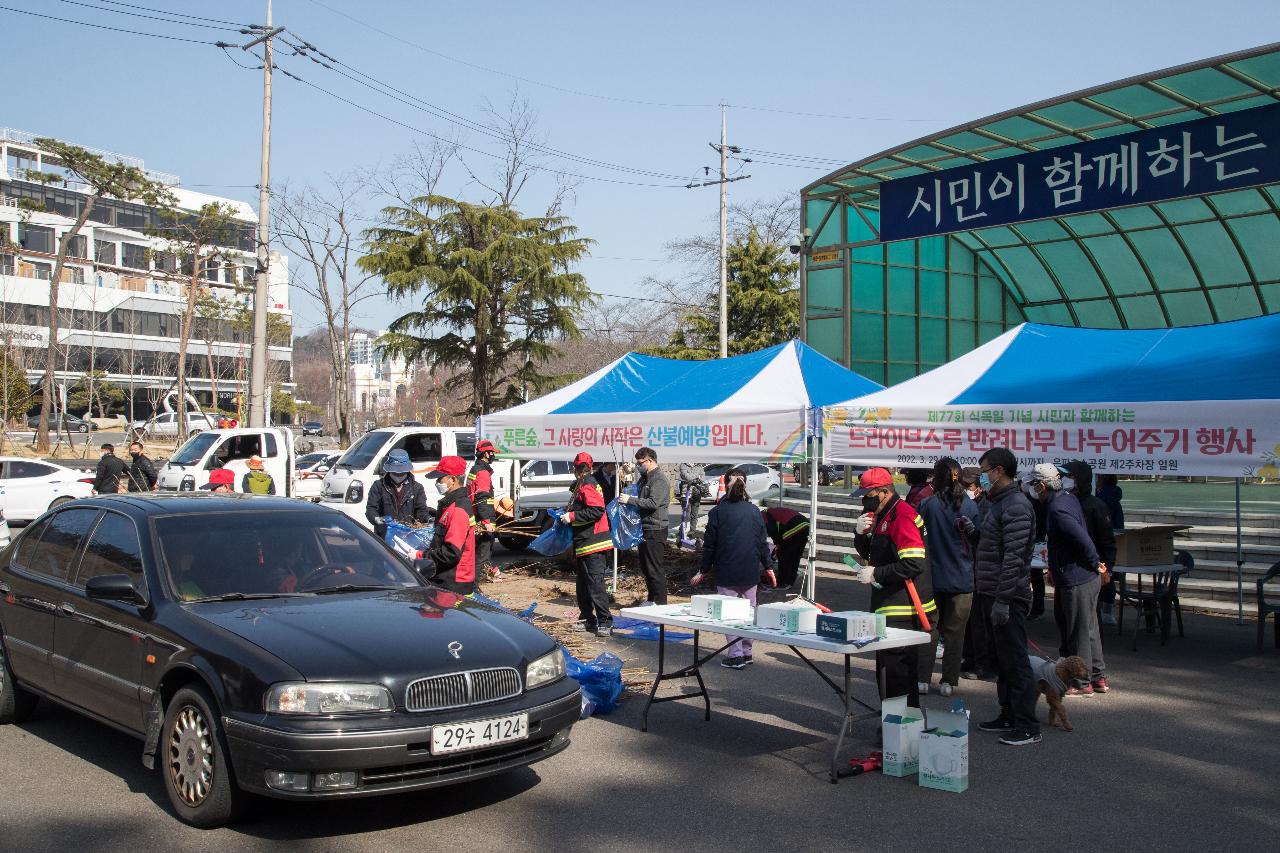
{"points": [[756, 407], [1188, 401]]}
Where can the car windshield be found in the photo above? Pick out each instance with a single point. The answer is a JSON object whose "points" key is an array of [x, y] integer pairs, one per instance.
{"points": [[194, 450], [716, 470], [363, 451], [265, 554]]}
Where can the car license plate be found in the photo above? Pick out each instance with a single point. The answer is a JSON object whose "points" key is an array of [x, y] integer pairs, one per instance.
{"points": [[478, 734]]}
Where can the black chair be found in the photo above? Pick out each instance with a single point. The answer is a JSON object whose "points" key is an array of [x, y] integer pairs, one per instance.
{"points": [[1159, 604], [1265, 608]]}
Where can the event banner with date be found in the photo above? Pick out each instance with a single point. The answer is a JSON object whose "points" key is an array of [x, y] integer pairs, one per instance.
{"points": [[683, 436], [1232, 438]]}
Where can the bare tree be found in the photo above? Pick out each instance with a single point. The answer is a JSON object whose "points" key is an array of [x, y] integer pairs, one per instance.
{"points": [[413, 175], [322, 227], [515, 126]]}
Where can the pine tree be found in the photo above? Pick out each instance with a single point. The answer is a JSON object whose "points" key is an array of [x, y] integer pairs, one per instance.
{"points": [[495, 287], [763, 303]]}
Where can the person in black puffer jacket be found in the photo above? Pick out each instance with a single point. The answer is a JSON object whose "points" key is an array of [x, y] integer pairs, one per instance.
{"points": [[734, 550], [1002, 578]]}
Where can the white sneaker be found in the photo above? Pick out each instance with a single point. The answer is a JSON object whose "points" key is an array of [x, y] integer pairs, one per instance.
{"points": [[922, 687], [946, 689]]}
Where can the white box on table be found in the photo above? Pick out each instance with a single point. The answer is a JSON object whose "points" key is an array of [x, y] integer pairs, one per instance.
{"points": [[794, 617], [846, 626], [725, 608], [900, 726], [944, 751]]}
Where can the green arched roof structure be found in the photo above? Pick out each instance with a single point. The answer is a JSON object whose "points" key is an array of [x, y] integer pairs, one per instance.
{"points": [[1192, 260]]}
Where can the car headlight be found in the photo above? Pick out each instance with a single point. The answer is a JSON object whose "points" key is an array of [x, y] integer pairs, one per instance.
{"points": [[544, 670], [355, 492], [300, 697]]}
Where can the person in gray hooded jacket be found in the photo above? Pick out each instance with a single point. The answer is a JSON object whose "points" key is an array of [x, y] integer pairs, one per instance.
{"points": [[653, 501]]}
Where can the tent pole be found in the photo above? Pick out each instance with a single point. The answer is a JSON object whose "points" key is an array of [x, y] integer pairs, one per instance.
{"points": [[811, 581], [1239, 561]]}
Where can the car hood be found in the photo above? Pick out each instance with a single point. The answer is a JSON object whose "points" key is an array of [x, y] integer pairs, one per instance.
{"points": [[387, 636]]}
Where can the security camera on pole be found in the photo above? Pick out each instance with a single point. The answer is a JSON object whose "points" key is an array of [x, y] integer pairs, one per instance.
{"points": [[724, 148]]}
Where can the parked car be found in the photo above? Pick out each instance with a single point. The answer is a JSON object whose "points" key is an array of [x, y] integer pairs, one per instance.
{"points": [[549, 475], [166, 424], [63, 421], [4, 525], [312, 428], [28, 487], [276, 647], [312, 469], [762, 481]]}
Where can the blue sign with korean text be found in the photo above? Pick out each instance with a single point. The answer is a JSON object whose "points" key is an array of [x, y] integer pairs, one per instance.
{"points": [[1230, 151]]}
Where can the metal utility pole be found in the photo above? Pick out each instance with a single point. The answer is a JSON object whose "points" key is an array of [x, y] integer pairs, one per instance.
{"points": [[724, 149], [261, 294], [724, 239]]}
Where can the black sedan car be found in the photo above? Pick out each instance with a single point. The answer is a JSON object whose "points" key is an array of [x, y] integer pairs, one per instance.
{"points": [[269, 646], [70, 423]]}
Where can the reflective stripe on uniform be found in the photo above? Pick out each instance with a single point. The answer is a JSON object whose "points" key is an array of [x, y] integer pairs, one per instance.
{"points": [[907, 553], [793, 531], [593, 548], [905, 609]]}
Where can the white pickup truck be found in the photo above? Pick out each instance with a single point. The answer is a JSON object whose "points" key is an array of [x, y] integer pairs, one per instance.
{"points": [[189, 467]]}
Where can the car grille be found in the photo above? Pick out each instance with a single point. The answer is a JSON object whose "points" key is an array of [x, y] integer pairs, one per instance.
{"points": [[460, 689]]}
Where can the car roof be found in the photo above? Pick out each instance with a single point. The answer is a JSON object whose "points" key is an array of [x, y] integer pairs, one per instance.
{"points": [[28, 459], [178, 503]]}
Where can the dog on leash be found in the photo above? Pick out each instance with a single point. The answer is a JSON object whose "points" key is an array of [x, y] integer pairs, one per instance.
{"points": [[1053, 678]]}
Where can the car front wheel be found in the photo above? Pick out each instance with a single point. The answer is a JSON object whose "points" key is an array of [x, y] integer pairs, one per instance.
{"points": [[197, 770], [83, 428], [16, 704]]}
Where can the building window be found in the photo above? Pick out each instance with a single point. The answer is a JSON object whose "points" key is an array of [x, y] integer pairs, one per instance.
{"points": [[104, 252], [212, 269], [35, 238], [74, 275], [20, 162], [166, 262], [77, 246], [6, 264], [41, 271], [134, 256]]}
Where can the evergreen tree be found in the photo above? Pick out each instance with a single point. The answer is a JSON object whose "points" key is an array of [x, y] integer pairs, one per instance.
{"points": [[495, 287], [763, 303]]}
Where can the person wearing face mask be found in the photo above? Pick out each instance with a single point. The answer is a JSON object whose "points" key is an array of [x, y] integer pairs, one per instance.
{"points": [[397, 495], [480, 493], [950, 516], [452, 551], [1005, 539], [653, 500], [979, 661], [1077, 478], [1077, 572], [591, 541], [890, 537], [142, 473], [1026, 479]]}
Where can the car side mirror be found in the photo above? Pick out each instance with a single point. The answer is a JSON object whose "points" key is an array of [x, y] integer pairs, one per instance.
{"points": [[114, 588]]}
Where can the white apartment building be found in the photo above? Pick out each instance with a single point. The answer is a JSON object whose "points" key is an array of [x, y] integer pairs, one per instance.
{"points": [[122, 296], [376, 380]]}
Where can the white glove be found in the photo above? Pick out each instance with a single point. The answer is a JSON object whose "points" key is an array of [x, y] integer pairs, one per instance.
{"points": [[864, 522], [866, 574], [624, 498]]}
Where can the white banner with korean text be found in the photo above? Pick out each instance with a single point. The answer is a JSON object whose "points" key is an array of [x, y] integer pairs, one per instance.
{"points": [[1229, 438]]}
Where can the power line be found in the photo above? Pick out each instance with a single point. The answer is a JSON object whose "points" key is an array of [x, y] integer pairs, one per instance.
{"points": [[150, 17], [596, 95], [437, 136], [782, 156], [175, 14], [306, 48], [103, 26]]}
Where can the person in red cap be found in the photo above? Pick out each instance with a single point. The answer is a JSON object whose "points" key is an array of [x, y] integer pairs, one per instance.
{"points": [[890, 537], [453, 547], [591, 541], [480, 491], [221, 480]]}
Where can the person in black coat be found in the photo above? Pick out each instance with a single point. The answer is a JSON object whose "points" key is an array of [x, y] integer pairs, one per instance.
{"points": [[396, 495], [111, 470], [142, 472], [734, 551]]}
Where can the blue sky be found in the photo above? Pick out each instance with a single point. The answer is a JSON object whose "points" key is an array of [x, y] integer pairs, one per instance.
{"points": [[903, 69]]}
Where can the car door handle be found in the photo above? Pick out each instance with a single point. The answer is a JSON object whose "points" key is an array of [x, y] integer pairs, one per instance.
{"points": [[67, 608], [4, 589]]}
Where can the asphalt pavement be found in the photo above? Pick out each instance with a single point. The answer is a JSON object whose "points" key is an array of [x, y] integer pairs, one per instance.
{"points": [[1180, 756]]}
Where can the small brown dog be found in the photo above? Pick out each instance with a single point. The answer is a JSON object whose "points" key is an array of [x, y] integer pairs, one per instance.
{"points": [[1053, 678]]}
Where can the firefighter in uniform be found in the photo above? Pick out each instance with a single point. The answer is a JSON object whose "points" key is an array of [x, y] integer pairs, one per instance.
{"points": [[453, 546], [890, 536], [480, 490], [591, 541], [789, 531]]}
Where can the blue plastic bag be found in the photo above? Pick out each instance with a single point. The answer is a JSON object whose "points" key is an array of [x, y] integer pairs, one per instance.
{"points": [[624, 523], [555, 540], [405, 539], [638, 630], [600, 680]]}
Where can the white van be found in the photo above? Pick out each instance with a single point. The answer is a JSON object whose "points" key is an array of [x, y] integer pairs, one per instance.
{"points": [[189, 467], [346, 486]]}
